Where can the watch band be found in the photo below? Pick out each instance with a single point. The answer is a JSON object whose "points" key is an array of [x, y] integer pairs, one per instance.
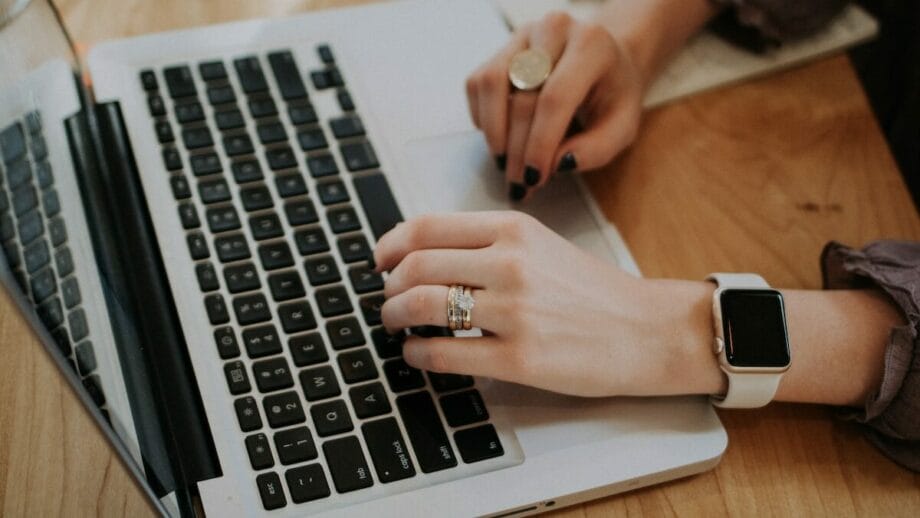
{"points": [[745, 389]]}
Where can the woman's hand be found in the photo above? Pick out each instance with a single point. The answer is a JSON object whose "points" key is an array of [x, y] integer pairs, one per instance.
{"points": [[594, 80], [553, 316]]}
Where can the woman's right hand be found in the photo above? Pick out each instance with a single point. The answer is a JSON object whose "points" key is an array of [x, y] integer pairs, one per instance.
{"points": [[594, 80]]}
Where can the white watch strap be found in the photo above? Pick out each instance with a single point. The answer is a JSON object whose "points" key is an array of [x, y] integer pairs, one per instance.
{"points": [[738, 280]]}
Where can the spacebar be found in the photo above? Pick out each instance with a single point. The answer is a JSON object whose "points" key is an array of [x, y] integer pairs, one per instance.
{"points": [[379, 205]]}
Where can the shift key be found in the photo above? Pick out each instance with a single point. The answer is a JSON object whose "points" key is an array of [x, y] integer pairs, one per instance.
{"points": [[430, 442]]}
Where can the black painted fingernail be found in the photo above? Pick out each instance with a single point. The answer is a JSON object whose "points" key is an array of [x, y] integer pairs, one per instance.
{"points": [[531, 176], [501, 161], [517, 192], [567, 164]]}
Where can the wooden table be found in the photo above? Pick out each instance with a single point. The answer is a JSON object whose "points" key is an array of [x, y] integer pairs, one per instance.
{"points": [[754, 177]]}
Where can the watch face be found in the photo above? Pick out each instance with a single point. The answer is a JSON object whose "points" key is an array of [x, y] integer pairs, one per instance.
{"points": [[754, 324]]}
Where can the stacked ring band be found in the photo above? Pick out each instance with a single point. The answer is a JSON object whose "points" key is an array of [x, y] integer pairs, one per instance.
{"points": [[460, 308]]}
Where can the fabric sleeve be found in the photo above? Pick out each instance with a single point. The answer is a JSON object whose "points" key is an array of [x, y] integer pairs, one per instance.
{"points": [[783, 20]]}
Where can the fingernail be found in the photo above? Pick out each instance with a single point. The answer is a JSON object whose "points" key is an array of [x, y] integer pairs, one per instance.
{"points": [[501, 161], [567, 164], [517, 192], [531, 176]]}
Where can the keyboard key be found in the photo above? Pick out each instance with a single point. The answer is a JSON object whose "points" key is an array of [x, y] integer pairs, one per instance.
{"points": [[347, 464], [321, 271], [477, 444], [227, 346], [93, 385], [189, 112], [247, 413], [240, 278], [308, 349], [319, 383], [296, 317], [287, 75], [286, 286], [57, 232], [232, 248], [245, 171], [70, 292], [354, 248], [369, 400], [43, 285], [307, 483], [365, 280], [370, 307], [325, 54], [331, 418], [217, 309], [195, 138], [36, 256], [265, 226], [290, 185], [179, 81], [464, 408], [19, 173], [389, 451], [332, 192], [221, 94], [212, 70], [33, 122], [301, 212], [250, 74], [401, 376], [283, 409], [51, 203], [24, 199], [235, 145], [64, 262], [302, 114], [229, 119], [261, 341], [379, 206], [322, 165], [387, 345], [357, 366], [251, 309], [347, 126], [156, 106], [295, 445], [51, 313], [345, 333], [43, 174], [270, 491], [180, 187], [30, 227], [237, 379], [312, 139], [214, 191], [164, 132], [343, 219], [260, 453], [311, 241], [429, 440], [86, 358], [281, 158], [345, 101], [148, 80], [12, 143], [205, 164], [444, 382], [359, 156], [62, 340], [7, 228], [256, 198], [271, 132], [275, 256], [263, 108], [188, 216], [222, 219], [272, 375]]}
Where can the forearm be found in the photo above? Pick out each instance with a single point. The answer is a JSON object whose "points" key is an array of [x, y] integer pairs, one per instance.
{"points": [[653, 30]]}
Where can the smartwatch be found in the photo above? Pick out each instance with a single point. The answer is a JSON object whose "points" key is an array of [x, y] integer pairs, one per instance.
{"points": [[751, 339]]}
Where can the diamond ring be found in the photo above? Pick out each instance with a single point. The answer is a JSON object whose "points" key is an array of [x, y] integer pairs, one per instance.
{"points": [[460, 304]]}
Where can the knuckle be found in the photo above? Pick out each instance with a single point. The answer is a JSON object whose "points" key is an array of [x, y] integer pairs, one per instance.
{"points": [[550, 100], [493, 78], [589, 35], [413, 266], [515, 225], [557, 21], [417, 303]]}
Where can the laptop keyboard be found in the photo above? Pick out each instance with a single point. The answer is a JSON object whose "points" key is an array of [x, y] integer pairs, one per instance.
{"points": [[35, 242], [311, 374]]}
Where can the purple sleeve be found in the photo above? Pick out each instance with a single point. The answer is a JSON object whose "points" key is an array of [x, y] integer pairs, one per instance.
{"points": [[783, 20]]}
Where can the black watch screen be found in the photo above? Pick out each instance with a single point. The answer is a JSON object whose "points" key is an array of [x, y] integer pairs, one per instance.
{"points": [[754, 327]]}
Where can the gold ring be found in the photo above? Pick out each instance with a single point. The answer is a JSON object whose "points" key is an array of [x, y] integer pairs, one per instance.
{"points": [[460, 308], [529, 69], [467, 309]]}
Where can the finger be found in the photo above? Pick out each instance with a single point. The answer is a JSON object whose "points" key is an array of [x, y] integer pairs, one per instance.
{"points": [[601, 140], [427, 306], [441, 266], [493, 88], [474, 356], [522, 108]]}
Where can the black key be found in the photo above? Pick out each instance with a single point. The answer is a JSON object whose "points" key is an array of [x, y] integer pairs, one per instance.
{"points": [[4, 200], [270, 490], [333, 301], [464, 408], [354, 248], [51, 313], [480, 443], [231, 248], [247, 413], [179, 81], [389, 451], [286, 286], [208, 163], [369, 400], [235, 145], [43, 174], [64, 262], [12, 143], [214, 191], [283, 409], [345, 333], [331, 418], [271, 132], [322, 270], [51, 203], [36, 256], [198, 246], [251, 309], [321, 79], [312, 139], [237, 379], [189, 216], [39, 148], [401, 376], [429, 440], [359, 156], [379, 206], [195, 138], [281, 158], [370, 307], [347, 126], [62, 340], [307, 483], [43, 285], [347, 464], [229, 119], [325, 54], [13, 257], [148, 80], [263, 108], [217, 309], [302, 114], [86, 358], [171, 159], [296, 317], [156, 106], [260, 453], [94, 387], [250, 73], [57, 232], [256, 198], [332, 192], [34, 122], [301, 212], [227, 346], [272, 375], [287, 75], [261, 341], [444, 382], [345, 101], [387, 345], [265, 226], [365, 280], [295, 445], [357, 366], [212, 70], [70, 292], [242, 277], [222, 219], [180, 187], [290, 185], [30, 227], [246, 171], [322, 165], [308, 349], [189, 112], [7, 227], [276, 255], [311, 241], [221, 95], [319, 383], [343, 219], [24, 198], [19, 173]]}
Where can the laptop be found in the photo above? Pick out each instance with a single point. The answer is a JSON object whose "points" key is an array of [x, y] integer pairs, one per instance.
{"points": [[188, 223]]}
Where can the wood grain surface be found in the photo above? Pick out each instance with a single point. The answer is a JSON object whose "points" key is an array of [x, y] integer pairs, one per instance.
{"points": [[756, 177]]}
